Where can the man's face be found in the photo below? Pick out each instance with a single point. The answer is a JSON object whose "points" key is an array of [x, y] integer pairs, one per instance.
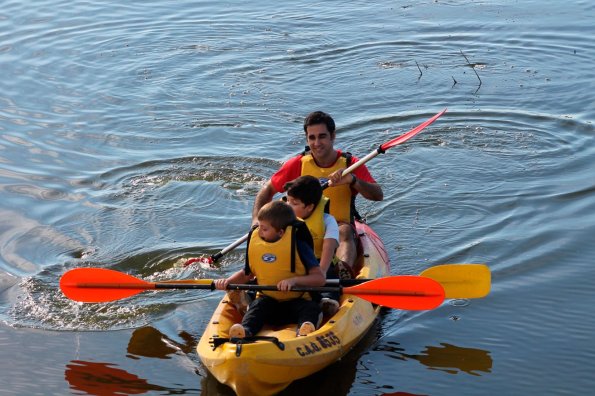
{"points": [[320, 140]]}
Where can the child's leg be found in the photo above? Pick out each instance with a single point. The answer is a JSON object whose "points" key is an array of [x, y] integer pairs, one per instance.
{"points": [[259, 310], [305, 311], [332, 274]]}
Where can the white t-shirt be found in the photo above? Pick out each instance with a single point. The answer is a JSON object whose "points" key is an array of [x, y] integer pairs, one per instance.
{"points": [[331, 228]]}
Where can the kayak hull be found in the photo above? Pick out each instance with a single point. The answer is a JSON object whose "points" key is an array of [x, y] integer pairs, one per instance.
{"points": [[268, 366]]}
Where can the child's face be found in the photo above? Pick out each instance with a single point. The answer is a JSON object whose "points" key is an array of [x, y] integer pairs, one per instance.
{"points": [[267, 232], [299, 208]]}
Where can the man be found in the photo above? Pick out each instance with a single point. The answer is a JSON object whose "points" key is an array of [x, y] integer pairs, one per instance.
{"points": [[325, 162]]}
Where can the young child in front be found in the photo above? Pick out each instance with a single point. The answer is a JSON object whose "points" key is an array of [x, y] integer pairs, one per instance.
{"points": [[269, 260], [304, 195]]}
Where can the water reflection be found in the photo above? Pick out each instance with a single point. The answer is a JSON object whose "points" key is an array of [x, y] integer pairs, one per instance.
{"points": [[150, 342], [103, 379], [447, 358], [106, 379]]}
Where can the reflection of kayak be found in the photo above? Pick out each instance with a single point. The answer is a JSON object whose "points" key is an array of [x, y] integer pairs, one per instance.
{"points": [[269, 364]]}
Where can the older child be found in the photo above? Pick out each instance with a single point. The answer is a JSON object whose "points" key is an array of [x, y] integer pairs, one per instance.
{"points": [[304, 195], [268, 258]]}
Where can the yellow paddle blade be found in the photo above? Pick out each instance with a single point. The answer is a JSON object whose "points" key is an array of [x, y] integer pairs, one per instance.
{"points": [[462, 280]]}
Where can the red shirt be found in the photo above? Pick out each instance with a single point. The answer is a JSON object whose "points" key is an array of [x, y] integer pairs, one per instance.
{"points": [[292, 169]]}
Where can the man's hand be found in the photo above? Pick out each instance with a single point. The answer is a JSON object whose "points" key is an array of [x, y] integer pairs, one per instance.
{"points": [[335, 178]]}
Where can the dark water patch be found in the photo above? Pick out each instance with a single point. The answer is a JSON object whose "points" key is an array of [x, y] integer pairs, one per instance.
{"points": [[213, 123], [583, 192]]}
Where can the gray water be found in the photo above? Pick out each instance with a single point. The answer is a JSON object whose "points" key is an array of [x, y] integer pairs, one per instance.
{"points": [[136, 134]]}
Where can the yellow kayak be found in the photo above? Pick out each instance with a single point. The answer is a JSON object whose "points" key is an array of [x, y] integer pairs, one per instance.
{"points": [[277, 358]]}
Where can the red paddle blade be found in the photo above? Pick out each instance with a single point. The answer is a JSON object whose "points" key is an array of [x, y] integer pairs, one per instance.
{"points": [[406, 136], [200, 260], [95, 285], [407, 292]]}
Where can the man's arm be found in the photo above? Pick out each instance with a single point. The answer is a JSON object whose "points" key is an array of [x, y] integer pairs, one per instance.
{"points": [[371, 191], [264, 196], [288, 171]]}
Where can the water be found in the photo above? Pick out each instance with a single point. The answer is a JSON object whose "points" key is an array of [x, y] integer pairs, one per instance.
{"points": [[136, 135]]}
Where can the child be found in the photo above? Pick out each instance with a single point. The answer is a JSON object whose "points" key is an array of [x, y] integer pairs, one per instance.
{"points": [[268, 258], [304, 195]]}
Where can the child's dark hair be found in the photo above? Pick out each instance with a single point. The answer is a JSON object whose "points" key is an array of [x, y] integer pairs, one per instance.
{"points": [[305, 188], [319, 117], [278, 214]]}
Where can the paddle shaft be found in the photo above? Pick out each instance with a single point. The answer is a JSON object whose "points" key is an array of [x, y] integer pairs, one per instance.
{"points": [[319, 289]]}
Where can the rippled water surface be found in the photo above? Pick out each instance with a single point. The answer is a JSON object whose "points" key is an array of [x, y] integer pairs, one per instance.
{"points": [[134, 135]]}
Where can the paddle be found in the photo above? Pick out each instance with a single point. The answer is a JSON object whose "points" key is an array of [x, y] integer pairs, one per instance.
{"points": [[381, 149], [458, 280], [102, 285]]}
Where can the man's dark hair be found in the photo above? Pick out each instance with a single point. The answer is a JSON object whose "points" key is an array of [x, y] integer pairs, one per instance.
{"points": [[319, 117]]}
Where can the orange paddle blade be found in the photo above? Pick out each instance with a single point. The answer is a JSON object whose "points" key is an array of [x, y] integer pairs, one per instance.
{"points": [[95, 285], [408, 292]]}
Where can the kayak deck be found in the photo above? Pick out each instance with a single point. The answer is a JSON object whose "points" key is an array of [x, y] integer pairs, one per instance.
{"points": [[269, 362]]}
